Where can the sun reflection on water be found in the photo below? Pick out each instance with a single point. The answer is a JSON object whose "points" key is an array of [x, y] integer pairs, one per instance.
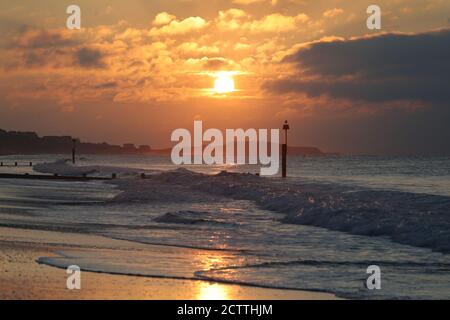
{"points": [[213, 291]]}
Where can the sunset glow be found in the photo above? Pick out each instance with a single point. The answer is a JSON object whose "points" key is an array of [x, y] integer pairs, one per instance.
{"points": [[136, 70]]}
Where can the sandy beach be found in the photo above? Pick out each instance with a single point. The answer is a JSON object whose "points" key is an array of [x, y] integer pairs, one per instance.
{"points": [[22, 277]]}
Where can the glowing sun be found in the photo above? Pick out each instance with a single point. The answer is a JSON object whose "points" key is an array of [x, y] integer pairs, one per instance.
{"points": [[223, 84]]}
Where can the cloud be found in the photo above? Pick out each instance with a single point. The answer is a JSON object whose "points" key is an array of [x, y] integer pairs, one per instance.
{"points": [[89, 58], [106, 85], [30, 48], [332, 13], [231, 19], [236, 19], [163, 18], [247, 2], [193, 49], [386, 67], [207, 65], [32, 38], [215, 64], [275, 23], [180, 27]]}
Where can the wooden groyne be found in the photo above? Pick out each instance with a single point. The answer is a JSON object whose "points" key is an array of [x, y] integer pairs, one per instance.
{"points": [[15, 164], [52, 177]]}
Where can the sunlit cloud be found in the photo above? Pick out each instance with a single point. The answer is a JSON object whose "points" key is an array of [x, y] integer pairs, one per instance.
{"points": [[332, 13], [179, 27], [163, 18], [248, 2]]}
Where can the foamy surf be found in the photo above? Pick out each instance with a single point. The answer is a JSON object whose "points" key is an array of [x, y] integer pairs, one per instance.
{"points": [[398, 215]]}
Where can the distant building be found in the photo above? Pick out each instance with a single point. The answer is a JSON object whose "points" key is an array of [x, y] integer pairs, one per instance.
{"points": [[15, 142], [144, 149], [129, 147], [56, 139]]}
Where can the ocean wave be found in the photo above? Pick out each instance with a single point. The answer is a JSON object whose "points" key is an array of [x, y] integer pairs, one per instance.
{"points": [[408, 218], [311, 275], [64, 168], [436, 266], [420, 220], [64, 259], [192, 218], [319, 275]]}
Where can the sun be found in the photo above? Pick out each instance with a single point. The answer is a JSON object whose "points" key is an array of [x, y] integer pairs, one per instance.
{"points": [[223, 84]]}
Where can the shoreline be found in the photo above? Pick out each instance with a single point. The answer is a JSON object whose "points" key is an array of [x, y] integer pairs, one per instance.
{"points": [[23, 278]]}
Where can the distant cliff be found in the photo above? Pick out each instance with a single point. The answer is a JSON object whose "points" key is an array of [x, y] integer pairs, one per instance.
{"points": [[14, 142], [306, 151]]}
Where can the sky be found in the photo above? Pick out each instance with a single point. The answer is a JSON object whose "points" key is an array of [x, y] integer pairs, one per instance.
{"points": [[139, 69]]}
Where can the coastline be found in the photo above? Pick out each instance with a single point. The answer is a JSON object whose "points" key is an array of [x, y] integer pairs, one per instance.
{"points": [[23, 278]]}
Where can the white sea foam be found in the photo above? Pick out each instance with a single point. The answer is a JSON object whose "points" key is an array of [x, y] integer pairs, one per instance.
{"points": [[409, 218], [192, 218], [65, 168]]}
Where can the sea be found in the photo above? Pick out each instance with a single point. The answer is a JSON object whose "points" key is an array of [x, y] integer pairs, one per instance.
{"points": [[320, 229]]}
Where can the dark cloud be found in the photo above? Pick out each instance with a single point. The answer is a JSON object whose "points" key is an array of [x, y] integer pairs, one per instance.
{"points": [[37, 48], [89, 58], [386, 67], [33, 59], [216, 64], [32, 38], [106, 85]]}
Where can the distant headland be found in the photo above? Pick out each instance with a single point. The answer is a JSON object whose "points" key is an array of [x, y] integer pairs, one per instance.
{"points": [[15, 142], [28, 143]]}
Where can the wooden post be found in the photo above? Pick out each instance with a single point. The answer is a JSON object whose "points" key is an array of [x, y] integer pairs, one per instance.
{"points": [[284, 150], [1, 164], [31, 164], [74, 150], [15, 164]]}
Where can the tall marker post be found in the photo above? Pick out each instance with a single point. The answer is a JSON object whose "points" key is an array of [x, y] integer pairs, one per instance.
{"points": [[74, 141], [284, 150]]}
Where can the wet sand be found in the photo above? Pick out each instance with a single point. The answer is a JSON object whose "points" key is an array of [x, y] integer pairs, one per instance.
{"points": [[21, 277]]}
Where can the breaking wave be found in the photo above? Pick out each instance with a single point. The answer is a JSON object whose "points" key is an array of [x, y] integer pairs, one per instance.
{"points": [[421, 220], [64, 168], [191, 218], [415, 219]]}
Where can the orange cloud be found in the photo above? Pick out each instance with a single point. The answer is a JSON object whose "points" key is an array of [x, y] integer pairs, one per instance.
{"points": [[231, 19], [236, 19], [163, 18], [180, 27], [275, 23], [194, 49], [247, 2], [332, 13]]}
